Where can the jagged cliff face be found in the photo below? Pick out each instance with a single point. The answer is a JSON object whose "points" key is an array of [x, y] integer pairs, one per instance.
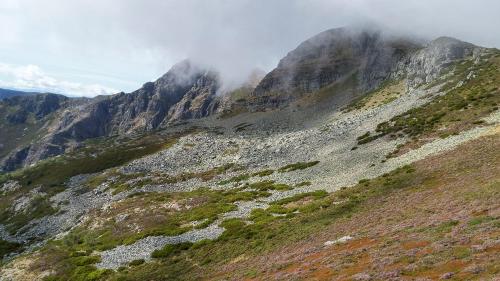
{"points": [[186, 91], [24, 120], [39, 106], [427, 64]]}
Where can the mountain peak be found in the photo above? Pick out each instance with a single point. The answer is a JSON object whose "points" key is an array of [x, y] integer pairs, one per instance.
{"points": [[335, 55], [446, 40]]}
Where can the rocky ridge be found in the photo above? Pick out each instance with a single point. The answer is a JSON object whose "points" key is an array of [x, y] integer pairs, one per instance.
{"points": [[362, 59]]}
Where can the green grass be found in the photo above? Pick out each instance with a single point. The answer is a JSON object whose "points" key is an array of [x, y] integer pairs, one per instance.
{"points": [[37, 208], [120, 182], [72, 267], [366, 138], [268, 185], [439, 230], [480, 220], [112, 234], [235, 179], [171, 249], [267, 231], [315, 194], [445, 227], [136, 262], [55, 172], [297, 166], [360, 102], [71, 254], [8, 247], [263, 173], [233, 196]]}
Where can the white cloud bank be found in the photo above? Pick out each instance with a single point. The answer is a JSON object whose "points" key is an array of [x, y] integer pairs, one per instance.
{"points": [[33, 78], [135, 41]]}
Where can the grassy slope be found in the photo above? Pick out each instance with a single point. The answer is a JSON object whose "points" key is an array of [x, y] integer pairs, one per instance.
{"points": [[437, 216], [386, 93], [459, 109], [50, 175], [442, 217]]}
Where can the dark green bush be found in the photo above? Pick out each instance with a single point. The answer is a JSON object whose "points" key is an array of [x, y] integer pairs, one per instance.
{"points": [[171, 249]]}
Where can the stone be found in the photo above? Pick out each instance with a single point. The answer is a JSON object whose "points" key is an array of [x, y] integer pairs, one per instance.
{"points": [[341, 240], [447, 275], [10, 186], [361, 277]]}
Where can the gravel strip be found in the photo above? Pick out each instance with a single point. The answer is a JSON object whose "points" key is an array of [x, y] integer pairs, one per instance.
{"points": [[142, 249]]}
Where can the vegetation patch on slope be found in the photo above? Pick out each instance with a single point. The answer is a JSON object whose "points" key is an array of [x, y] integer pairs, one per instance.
{"points": [[386, 93], [49, 177], [459, 109], [7, 247], [138, 216], [119, 182], [287, 168], [297, 166]]}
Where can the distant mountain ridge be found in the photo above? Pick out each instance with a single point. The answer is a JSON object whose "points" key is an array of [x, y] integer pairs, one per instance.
{"points": [[7, 93], [188, 91]]}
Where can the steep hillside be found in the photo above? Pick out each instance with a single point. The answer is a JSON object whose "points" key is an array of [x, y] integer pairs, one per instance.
{"points": [[436, 219], [395, 180]]}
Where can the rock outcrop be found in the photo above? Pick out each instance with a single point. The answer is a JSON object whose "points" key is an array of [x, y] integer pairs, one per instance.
{"points": [[39, 106], [428, 63], [24, 122], [183, 92]]}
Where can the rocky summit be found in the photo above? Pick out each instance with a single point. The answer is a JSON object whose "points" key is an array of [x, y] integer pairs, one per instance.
{"points": [[361, 156]]}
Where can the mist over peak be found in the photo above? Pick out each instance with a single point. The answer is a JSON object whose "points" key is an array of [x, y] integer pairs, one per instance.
{"points": [[122, 43]]}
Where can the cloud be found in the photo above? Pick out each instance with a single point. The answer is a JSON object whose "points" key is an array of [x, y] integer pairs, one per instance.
{"points": [[137, 41], [31, 77]]}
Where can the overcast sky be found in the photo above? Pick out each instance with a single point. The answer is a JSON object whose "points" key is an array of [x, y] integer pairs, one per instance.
{"points": [[90, 47]]}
